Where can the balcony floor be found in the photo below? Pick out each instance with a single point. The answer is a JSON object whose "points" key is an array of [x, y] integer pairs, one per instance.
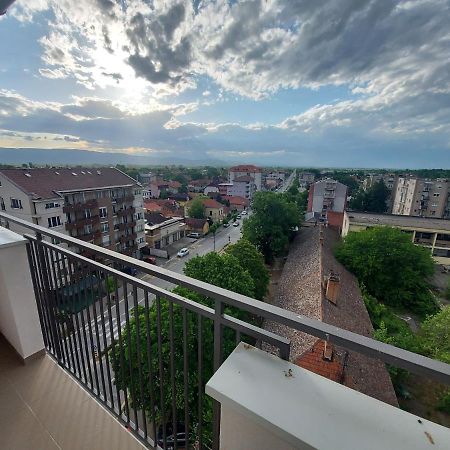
{"points": [[43, 408]]}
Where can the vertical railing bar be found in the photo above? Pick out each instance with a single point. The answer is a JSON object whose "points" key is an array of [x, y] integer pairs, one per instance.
{"points": [[81, 296], [161, 370], [173, 375], [200, 381], [56, 349], [130, 354], [121, 352], [150, 366], [238, 337], [218, 356], [91, 334], [139, 360], [53, 298], [77, 334], [105, 343], [186, 375], [37, 293], [97, 334], [59, 294], [65, 263]]}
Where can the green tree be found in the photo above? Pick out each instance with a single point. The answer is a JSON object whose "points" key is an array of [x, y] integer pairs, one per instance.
{"points": [[177, 346], [271, 224], [197, 209], [392, 268], [373, 199], [435, 335], [252, 261]]}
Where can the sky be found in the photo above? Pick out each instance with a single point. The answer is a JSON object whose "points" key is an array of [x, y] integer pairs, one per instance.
{"points": [[345, 83]]}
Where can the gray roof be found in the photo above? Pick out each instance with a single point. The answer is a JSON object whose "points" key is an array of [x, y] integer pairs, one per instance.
{"points": [[398, 221]]}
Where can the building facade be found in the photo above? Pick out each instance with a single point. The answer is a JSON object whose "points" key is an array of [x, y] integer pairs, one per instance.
{"points": [[327, 199], [422, 198], [160, 231], [101, 206], [246, 171], [243, 186]]}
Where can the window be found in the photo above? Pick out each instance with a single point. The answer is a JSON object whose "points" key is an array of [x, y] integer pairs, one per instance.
{"points": [[140, 240], [103, 212], [52, 205], [16, 204], [54, 221], [87, 213], [436, 194], [88, 229], [2, 204], [105, 227]]}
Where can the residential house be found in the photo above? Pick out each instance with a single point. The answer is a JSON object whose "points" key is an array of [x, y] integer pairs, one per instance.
{"points": [[246, 171], [103, 206], [173, 187], [198, 185], [200, 226], [237, 203], [211, 189], [161, 231]]}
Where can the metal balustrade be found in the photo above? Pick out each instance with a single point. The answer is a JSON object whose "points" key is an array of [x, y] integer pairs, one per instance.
{"points": [[91, 313]]}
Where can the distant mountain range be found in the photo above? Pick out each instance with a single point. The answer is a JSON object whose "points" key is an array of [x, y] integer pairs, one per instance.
{"points": [[77, 157]]}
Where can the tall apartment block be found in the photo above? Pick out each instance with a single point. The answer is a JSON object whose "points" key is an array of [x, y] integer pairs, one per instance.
{"points": [[327, 200], [102, 206], [423, 198]]}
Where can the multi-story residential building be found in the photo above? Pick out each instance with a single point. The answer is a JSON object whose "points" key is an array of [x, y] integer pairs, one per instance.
{"points": [[327, 200], [246, 171], [103, 206], [428, 232], [419, 197], [243, 186], [305, 179], [388, 179], [224, 188]]}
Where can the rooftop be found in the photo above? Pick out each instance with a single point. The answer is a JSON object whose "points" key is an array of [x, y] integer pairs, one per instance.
{"points": [[50, 183], [245, 168], [398, 221], [243, 179]]}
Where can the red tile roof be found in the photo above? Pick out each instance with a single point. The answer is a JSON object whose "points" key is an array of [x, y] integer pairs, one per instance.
{"points": [[313, 360], [47, 183], [245, 168], [196, 224], [152, 206], [174, 184], [236, 200], [211, 203]]}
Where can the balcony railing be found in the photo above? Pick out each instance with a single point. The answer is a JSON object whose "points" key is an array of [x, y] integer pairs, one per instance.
{"points": [[126, 211], [123, 226], [92, 315], [126, 238], [71, 207], [93, 220]]}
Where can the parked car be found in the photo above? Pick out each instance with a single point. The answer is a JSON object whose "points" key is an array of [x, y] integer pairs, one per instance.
{"points": [[194, 235], [149, 260], [244, 213], [226, 224], [236, 224], [170, 436], [238, 217], [129, 271], [183, 252]]}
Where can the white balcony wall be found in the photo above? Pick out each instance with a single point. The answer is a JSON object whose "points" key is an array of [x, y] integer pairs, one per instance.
{"points": [[19, 320], [268, 404]]}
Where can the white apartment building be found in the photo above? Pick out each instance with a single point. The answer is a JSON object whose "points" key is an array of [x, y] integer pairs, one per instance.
{"points": [[248, 171], [103, 206], [423, 198], [243, 186]]}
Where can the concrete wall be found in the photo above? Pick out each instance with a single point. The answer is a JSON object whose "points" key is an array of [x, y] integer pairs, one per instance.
{"points": [[19, 320]]}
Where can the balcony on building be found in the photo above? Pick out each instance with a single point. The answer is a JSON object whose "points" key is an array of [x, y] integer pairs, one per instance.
{"points": [[80, 223], [62, 314], [126, 211], [72, 207]]}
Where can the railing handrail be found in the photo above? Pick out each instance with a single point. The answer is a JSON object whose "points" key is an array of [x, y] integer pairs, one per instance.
{"points": [[413, 362]]}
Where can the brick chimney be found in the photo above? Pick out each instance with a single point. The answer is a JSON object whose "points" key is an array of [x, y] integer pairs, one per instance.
{"points": [[333, 285]]}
